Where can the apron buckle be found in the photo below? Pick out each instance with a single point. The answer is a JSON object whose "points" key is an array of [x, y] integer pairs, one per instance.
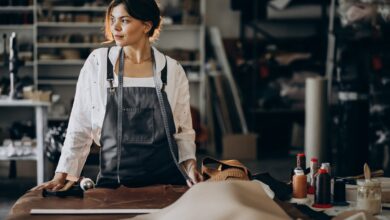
{"points": [[112, 89]]}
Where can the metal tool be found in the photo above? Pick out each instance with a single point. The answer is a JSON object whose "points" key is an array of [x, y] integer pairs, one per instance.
{"points": [[71, 189]]}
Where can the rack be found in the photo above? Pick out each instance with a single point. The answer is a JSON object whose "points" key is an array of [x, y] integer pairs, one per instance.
{"points": [[300, 21], [45, 72], [40, 109]]}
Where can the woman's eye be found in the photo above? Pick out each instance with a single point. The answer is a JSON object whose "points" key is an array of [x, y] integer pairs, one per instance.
{"points": [[112, 20], [125, 21]]}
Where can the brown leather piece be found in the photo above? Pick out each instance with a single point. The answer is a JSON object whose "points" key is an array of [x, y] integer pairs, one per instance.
{"points": [[151, 197], [223, 200], [226, 169]]}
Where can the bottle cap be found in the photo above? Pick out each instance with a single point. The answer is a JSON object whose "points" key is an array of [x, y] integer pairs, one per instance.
{"points": [[299, 171], [322, 171]]}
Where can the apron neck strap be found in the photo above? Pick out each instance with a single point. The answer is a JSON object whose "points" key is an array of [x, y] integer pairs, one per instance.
{"points": [[110, 73]]}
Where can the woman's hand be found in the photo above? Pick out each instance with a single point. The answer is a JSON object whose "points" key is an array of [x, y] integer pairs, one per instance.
{"points": [[57, 183], [190, 168]]}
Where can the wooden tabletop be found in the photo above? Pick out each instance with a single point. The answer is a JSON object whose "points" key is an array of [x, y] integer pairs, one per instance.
{"points": [[152, 197]]}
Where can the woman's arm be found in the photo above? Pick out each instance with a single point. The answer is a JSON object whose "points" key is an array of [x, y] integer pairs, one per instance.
{"points": [[185, 136], [78, 136], [79, 133]]}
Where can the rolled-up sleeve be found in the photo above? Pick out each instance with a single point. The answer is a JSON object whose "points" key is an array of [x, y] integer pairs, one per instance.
{"points": [[79, 133], [185, 136]]}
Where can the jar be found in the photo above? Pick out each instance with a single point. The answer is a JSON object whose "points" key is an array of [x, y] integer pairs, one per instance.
{"points": [[369, 196]]}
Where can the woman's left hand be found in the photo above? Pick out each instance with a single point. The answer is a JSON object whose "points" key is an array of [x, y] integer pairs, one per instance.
{"points": [[190, 168]]}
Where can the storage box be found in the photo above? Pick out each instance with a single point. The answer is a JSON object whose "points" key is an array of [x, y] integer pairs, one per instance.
{"points": [[44, 96], [239, 146]]}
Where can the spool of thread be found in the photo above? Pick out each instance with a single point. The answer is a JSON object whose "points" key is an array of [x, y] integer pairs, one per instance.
{"points": [[313, 173], [339, 193], [326, 166], [301, 161], [299, 184], [322, 190]]}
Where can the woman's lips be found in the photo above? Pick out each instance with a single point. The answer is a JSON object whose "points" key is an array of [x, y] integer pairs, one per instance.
{"points": [[118, 36]]}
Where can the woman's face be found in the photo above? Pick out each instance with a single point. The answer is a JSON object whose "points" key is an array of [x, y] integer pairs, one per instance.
{"points": [[125, 29]]}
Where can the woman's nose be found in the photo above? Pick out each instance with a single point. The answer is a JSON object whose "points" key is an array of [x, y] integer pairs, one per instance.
{"points": [[116, 26]]}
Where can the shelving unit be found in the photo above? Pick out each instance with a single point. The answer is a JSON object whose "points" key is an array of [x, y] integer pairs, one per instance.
{"points": [[50, 34], [292, 25], [40, 109], [191, 38]]}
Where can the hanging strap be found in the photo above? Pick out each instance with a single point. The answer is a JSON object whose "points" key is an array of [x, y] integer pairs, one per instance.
{"points": [[110, 74], [120, 107], [164, 75], [165, 117]]}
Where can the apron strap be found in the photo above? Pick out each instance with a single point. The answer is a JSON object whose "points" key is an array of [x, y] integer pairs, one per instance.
{"points": [[120, 109], [165, 117], [164, 75], [110, 74]]}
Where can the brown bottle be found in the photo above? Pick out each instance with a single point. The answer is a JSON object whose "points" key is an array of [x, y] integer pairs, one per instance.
{"points": [[299, 184]]}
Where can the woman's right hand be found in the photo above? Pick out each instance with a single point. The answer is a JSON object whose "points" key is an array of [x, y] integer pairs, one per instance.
{"points": [[57, 183]]}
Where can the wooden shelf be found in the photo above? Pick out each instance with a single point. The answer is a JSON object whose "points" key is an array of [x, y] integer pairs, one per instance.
{"points": [[22, 103], [70, 24], [61, 62], [76, 8], [29, 157], [190, 63], [26, 64], [16, 8], [69, 45], [277, 111], [304, 12], [17, 27], [180, 27], [58, 118], [69, 82]]}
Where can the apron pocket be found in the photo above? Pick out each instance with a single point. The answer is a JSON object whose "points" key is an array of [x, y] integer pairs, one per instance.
{"points": [[138, 125]]}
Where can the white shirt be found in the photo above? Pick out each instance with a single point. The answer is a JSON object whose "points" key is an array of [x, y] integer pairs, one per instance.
{"points": [[86, 118]]}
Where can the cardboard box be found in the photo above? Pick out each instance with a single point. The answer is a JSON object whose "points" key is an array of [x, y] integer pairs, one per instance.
{"points": [[239, 146], [44, 96]]}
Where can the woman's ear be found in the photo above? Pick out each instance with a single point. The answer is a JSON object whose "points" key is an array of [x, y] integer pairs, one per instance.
{"points": [[147, 26]]}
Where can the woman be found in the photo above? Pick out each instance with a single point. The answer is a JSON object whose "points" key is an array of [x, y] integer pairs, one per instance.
{"points": [[129, 75]]}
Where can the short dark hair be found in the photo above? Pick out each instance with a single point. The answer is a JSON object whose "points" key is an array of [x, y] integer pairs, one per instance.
{"points": [[144, 10]]}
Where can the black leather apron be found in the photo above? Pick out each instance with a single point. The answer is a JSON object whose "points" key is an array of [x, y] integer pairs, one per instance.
{"points": [[144, 157]]}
